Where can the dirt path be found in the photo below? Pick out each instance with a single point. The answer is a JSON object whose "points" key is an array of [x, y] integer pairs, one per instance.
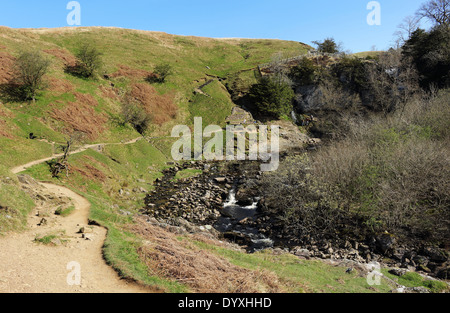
{"points": [[72, 262], [23, 167]]}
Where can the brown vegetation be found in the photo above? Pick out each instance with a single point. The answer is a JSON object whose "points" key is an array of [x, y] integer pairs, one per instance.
{"points": [[109, 92], [89, 172], [202, 271], [161, 107], [3, 128], [3, 113], [65, 56], [60, 85], [395, 170], [6, 67], [92, 160], [81, 116], [128, 72]]}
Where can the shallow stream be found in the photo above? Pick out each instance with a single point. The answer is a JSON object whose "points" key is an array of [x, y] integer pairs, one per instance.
{"points": [[232, 223]]}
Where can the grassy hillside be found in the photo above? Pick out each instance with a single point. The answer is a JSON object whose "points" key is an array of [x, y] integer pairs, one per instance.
{"points": [[93, 106], [115, 178]]}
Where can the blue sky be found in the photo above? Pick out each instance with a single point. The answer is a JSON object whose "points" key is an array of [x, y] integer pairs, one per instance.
{"points": [[298, 20]]}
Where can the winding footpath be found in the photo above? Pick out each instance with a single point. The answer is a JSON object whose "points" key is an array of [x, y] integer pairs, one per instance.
{"points": [[75, 264]]}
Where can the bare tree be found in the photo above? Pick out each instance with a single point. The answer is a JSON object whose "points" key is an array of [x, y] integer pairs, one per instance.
{"points": [[62, 164], [392, 81], [406, 29], [279, 69], [437, 11]]}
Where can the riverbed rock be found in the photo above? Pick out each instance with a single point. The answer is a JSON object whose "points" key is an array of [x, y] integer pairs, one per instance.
{"points": [[302, 253], [220, 180], [443, 272], [385, 243], [398, 271], [435, 254]]}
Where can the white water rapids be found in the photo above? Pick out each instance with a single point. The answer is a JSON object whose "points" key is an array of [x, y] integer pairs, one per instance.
{"points": [[237, 213]]}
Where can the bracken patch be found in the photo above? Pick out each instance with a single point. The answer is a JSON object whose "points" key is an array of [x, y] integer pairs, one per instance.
{"points": [[160, 107], [65, 56], [81, 116], [109, 92], [60, 85], [90, 172], [3, 127], [202, 271], [3, 130], [125, 71], [6, 67]]}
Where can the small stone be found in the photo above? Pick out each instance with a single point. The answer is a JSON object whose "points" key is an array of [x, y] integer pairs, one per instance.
{"points": [[220, 179], [398, 271], [304, 253], [56, 242], [423, 268]]}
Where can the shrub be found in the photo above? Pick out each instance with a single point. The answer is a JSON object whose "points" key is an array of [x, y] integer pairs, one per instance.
{"points": [[329, 45], [134, 114], [394, 172], [31, 66], [430, 53], [161, 72], [304, 207], [305, 72], [89, 61], [272, 97], [391, 82], [351, 73]]}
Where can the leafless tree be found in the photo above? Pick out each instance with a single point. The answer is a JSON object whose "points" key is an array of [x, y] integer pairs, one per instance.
{"points": [[392, 81], [437, 11], [62, 164], [405, 30], [279, 69]]}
